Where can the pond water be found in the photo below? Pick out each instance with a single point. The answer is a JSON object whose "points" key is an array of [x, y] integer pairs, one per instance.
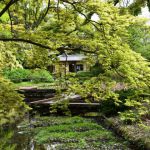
{"points": [[16, 139], [59, 133]]}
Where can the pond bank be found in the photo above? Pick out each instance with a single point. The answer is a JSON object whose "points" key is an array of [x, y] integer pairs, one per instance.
{"points": [[137, 134]]}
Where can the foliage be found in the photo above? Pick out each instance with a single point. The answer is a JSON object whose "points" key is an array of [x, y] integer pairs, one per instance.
{"points": [[97, 69], [11, 103], [133, 7], [60, 107], [51, 121], [132, 106], [83, 74], [139, 36], [109, 108], [41, 75], [69, 26], [5, 139], [17, 75], [138, 108], [20, 75], [38, 85], [7, 56], [33, 58]]}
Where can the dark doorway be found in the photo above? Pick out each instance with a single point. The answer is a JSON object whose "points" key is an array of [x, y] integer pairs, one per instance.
{"points": [[72, 67], [50, 69]]}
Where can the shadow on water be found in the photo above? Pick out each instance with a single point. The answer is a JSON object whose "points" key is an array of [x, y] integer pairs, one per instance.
{"points": [[12, 137]]}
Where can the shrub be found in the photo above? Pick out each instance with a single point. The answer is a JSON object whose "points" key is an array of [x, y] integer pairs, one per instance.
{"points": [[109, 107], [41, 75], [12, 106], [20, 75], [133, 106], [97, 69], [17, 75], [84, 74]]}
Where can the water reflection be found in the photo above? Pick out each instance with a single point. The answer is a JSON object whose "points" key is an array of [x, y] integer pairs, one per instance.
{"points": [[13, 139], [5, 139]]}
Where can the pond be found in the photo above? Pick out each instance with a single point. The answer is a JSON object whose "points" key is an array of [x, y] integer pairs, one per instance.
{"points": [[59, 133]]}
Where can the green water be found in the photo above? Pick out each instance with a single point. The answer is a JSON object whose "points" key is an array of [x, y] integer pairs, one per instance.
{"points": [[59, 133]]}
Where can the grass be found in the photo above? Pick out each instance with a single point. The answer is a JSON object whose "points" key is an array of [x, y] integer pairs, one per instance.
{"points": [[73, 133], [32, 84]]}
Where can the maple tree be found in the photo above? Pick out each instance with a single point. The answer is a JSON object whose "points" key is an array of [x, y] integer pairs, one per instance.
{"points": [[43, 27]]}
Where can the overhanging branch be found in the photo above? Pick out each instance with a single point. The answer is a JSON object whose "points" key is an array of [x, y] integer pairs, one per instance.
{"points": [[60, 49], [25, 41], [10, 3]]}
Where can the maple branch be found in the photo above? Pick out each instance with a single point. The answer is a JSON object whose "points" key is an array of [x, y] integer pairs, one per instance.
{"points": [[10, 3], [60, 49], [39, 20], [25, 41]]}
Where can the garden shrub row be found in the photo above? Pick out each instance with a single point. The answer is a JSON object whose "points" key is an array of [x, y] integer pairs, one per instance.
{"points": [[20, 75]]}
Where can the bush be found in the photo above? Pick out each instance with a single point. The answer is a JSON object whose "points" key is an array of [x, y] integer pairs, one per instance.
{"points": [[12, 106], [17, 75], [133, 106], [97, 69], [109, 107], [84, 74], [41, 75], [20, 75]]}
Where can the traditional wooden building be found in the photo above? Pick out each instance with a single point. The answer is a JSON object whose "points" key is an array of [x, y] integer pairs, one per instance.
{"points": [[71, 63]]}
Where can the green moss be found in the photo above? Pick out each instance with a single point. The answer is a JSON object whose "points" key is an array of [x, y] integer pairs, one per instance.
{"points": [[73, 136], [70, 127]]}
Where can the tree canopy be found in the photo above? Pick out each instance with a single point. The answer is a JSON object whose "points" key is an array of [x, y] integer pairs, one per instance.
{"points": [[38, 29]]}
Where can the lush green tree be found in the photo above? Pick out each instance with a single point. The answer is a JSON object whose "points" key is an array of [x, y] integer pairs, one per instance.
{"points": [[139, 38], [70, 26]]}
